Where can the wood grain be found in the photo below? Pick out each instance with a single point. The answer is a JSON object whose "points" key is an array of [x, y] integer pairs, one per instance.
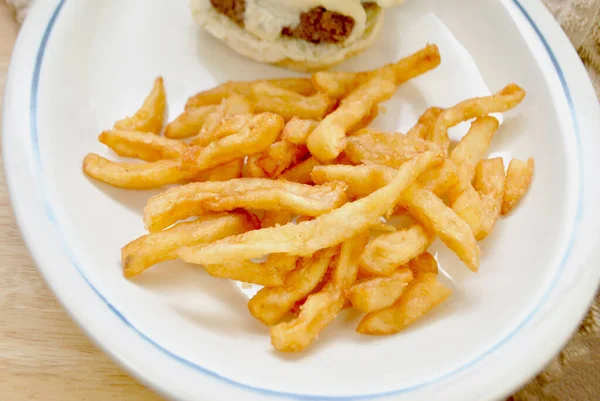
{"points": [[43, 354]]}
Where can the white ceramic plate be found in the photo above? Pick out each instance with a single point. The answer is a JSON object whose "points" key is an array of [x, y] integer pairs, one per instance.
{"points": [[80, 65]]}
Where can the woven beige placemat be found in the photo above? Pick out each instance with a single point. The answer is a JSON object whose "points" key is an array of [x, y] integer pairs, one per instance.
{"points": [[575, 373]]}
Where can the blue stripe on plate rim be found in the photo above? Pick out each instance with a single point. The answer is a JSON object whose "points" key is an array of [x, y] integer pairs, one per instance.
{"points": [[53, 220]]}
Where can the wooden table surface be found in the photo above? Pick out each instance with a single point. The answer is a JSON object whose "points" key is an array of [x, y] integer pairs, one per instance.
{"points": [[43, 354]]}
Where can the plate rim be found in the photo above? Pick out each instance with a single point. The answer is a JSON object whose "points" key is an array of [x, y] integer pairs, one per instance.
{"points": [[49, 11]]}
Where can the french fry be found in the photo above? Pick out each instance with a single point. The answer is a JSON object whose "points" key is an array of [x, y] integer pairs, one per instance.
{"points": [[224, 172], [441, 179], [256, 136], [438, 218], [469, 151], [150, 117], [424, 293], [301, 172], [328, 140], [469, 208], [279, 157], [297, 130], [518, 179], [228, 125], [339, 84], [195, 199], [388, 251], [465, 201], [386, 148], [334, 227], [504, 100], [365, 179], [424, 263], [135, 175], [282, 263], [316, 313], [321, 308], [345, 269], [251, 168], [379, 292], [246, 272], [142, 145], [424, 126], [151, 249], [489, 183], [189, 122], [274, 99], [270, 304], [233, 105], [362, 180], [273, 218], [302, 86]]}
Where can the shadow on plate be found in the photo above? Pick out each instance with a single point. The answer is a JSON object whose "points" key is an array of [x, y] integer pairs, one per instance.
{"points": [[132, 199]]}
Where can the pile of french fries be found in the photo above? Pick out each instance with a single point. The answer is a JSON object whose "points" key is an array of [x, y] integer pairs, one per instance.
{"points": [[282, 183]]}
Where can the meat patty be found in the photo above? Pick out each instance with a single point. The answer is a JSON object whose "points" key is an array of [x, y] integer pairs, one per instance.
{"points": [[319, 25], [234, 9], [316, 25]]}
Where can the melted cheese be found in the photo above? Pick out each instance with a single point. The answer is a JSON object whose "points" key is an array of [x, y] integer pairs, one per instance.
{"points": [[266, 18], [384, 3]]}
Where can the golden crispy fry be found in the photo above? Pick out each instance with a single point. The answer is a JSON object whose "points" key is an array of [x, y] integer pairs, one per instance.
{"points": [[386, 148], [424, 263], [366, 120], [424, 127], [273, 99], [345, 268], [279, 157], [470, 150], [251, 169], [228, 125], [275, 218], [142, 145], [469, 208], [297, 130], [301, 172], [443, 221], [379, 292], [150, 117], [465, 201], [364, 179], [196, 199], [189, 122], [256, 136], [246, 272], [506, 99], [388, 251], [224, 172], [489, 183], [234, 105], [151, 249], [423, 294], [270, 304], [325, 231], [441, 179], [316, 313], [339, 84], [518, 178], [328, 140], [384, 227], [302, 86], [282, 263], [135, 175]]}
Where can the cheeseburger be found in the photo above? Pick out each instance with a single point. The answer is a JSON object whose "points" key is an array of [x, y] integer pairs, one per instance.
{"points": [[305, 35]]}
